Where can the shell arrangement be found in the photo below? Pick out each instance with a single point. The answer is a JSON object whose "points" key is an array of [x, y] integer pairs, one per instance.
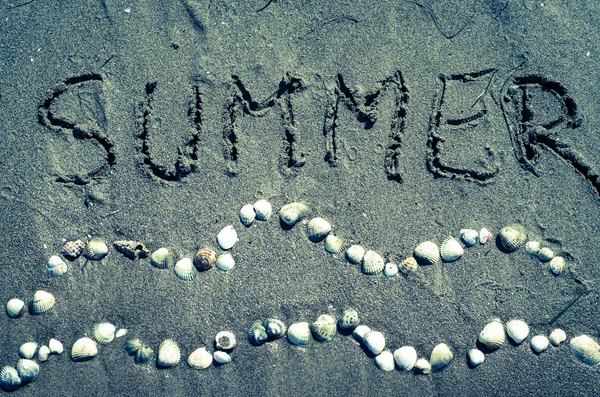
{"points": [[323, 329]]}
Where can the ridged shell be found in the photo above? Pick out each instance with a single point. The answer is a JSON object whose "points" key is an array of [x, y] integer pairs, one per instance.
{"points": [[517, 330], [348, 320], [9, 378], [557, 265], [451, 250], [15, 308], [557, 336], [422, 366], [95, 249], [405, 357], [263, 210], [225, 340], [169, 354], [427, 253], [359, 333], [144, 355], [132, 249], [225, 262], [257, 334], [185, 270], [372, 263], [408, 265], [28, 349], [200, 359], [333, 244], [84, 349], [290, 214], [586, 349], [469, 236], [227, 238], [104, 332], [390, 270], [355, 254], [485, 236], [545, 254], [162, 259], [132, 346], [325, 328], [532, 248], [374, 341], [42, 302], [492, 335], [55, 346], [274, 328], [72, 249], [28, 370], [317, 229], [221, 357], [247, 214], [43, 353], [512, 237], [385, 361], [56, 267], [440, 358], [204, 259], [539, 343], [476, 357], [299, 334]]}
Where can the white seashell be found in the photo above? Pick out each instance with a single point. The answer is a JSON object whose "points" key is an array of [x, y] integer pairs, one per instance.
{"points": [[9, 378], [469, 236], [532, 247], [56, 267], [374, 341], [476, 357], [451, 250], [28, 349], [355, 254], [372, 263], [408, 265], [492, 335], [441, 357], [427, 253], [317, 229], [55, 346], [121, 333], [557, 265], [43, 353], [385, 361], [42, 302], [161, 259], [512, 237], [290, 214], [299, 334], [104, 332], [517, 330], [586, 349], [199, 359], [227, 238], [359, 333], [390, 270], [221, 357], [225, 262], [28, 370], [348, 320], [95, 249], [422, 366], [144, 354], [133, 345], [225, 340], [557, 336], [257, 334], [545, 254], [247, 214], [539, 343], [274, 328], [485, 236], [185, 269], [325, 328], [263, 210], [169, 353], [15, 308], [84, 349], [405, 357], [333, 244]]}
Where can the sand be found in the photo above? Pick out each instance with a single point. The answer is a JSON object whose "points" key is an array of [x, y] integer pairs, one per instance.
{"points": [[399, 122]]}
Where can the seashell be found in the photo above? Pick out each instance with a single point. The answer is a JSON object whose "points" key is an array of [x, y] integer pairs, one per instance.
{"points": [[586, 349], [104, 332], [333, 244], [532, 248], [408, 265], [385, 361], [169, 353], [28, 349], [512, 237], [72, 249], [539, 343], [185, 270], [84, 349], [441, 357], [325, 328], [15, 308], [390, 270], [55, 346], [422, 366], [492, 335], [360, 332], [9, 378], [290, 214], [132, 346], [427, 253], [28, 370], [355, 254], [405, 357], [372, 263], [225, 340], [144, 355], [274, 328], [95, 249], [247, 214], [162, 259], [557, 265], [221, 357], [120, 333], [199, 359], [132, 249], [204, 259], [485, 236], [517, 330], [469, 236], [476, 357], [348, 320], [43, 353], [545, 254], [227, 238], [374, 341], [225, 262], [299, 334], [557, 336], [42, 302], [317, 229], [56, 267], [257, 334], [451, 250], [263, 210]]}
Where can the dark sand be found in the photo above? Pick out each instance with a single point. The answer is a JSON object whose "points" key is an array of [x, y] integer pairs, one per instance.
{"points": [[96, 102]]}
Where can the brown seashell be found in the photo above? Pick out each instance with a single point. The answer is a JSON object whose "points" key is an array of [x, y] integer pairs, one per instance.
{"points": [[72, 249], [132, 249], [408, 265], [204, 259]]}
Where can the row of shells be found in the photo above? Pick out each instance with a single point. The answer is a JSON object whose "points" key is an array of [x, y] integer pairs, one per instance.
{"points": [[41, 302]]}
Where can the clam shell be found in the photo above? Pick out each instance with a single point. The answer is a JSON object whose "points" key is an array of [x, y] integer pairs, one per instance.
{"points": [[15, 308], [557, 265], [390, 270], [132, 249], [405, 357], [359, 333], [221, 357], [476, 357], [225, 262], [169, 353], [532, 248], [317, 229], [225, 340], [299, 334], [469, 236], [257, 334], [144, 355], [374, 341], [517, 330], [348, 320], [422, 366], [586, 349], [185, 270], [104, 332], [132, 346], [372, 263], [28, 370], [204, 259], [451, 250], [512, 237], [441, 357], [290, 214], [162, 259], [121, 332], [200, 359], [355, 254], [325, 328], [84, 349], [492, 335], [9, 378], [28, 349], [545, 254], [274, 328], [408, 265], [56, 267], [43, 353], [72, 249], [557, 336], [247, 214], [227, 238], [539, 343], [385, 361], [427, 253], [485, 236], [55, 346], [95, 249], [42, 302], [333, 244], [263, 210]]}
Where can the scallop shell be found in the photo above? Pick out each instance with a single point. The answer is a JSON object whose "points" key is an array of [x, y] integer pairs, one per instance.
{"points": [[225, 340], [476, 357], [586, 349], [405, 357], [290, 214], [204, 259], [132, 249], [247, 214], [9, 378], [557, 265], [274, 328], [299, 334], [42, 302], [545, 254], [360, 332], [408, 265], [492, 335], [385, 361], [517, 330], [84, 349], [28, 349], [227, 238], [469, 236], [485, 236], [72, 249], [333, 244], [56, 267], [257, 334], [372, 263], [200, 359], [441, 357], [15, 308], [132, 346], [221, 357], [263, 210], [55, 346], [43, 353], [427, 253], [539, 343], [104, 332], [512, 237], [162, 259], [355, 254], [374, 341], [557, 336], [144, 355], [169, 353], [325, 328], [225, 262], [390, 270], [95, 249], [532, 248], [348, 320], [422, 366], [28, 370], [317, 229], [451, 250], [185, 270]]}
